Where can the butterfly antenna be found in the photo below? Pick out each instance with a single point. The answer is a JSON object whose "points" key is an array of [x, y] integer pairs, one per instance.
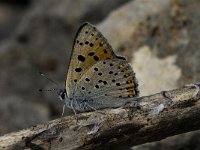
{"points": [[41, 90], [42, 74]]}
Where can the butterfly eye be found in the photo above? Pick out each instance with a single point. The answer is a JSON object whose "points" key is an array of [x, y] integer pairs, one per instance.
{"points": [[62, 94]]}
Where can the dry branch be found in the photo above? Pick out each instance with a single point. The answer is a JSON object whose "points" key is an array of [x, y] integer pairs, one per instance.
{"points": [[152, 118]]}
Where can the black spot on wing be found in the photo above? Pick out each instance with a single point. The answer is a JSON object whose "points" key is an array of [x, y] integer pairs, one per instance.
{"points": [[91, 44], [99, 73], [78, 69], [81, 58], [86, 79], [97, 86], [118, 84], [96, 58], [91, 53], [96, 69]]}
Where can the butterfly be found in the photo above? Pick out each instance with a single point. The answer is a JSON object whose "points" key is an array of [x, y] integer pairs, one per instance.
{"points": [[97, 78]]}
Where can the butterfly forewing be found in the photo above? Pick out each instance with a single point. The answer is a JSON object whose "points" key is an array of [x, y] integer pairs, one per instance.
{"points": [[112, 82], [89, 47]]}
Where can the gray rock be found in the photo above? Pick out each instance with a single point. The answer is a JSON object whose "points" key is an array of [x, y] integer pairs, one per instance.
{"points": [[17, 113]]}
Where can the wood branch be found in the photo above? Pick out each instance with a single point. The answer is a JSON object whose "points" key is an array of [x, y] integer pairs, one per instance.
{"points": [[152, 118]]}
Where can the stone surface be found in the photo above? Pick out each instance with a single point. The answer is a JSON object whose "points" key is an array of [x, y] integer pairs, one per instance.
{"points": [[11, 13], [16, 113], [154, 72]]}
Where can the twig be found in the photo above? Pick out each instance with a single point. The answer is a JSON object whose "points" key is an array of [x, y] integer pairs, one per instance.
{"points": [[152, 118]]}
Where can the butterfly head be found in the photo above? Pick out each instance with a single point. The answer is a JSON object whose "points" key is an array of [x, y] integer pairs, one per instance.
{"points": [[62, 94], [63, 97]]}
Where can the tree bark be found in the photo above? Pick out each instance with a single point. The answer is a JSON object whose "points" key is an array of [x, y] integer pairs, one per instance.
{"points": [[145, 119]]}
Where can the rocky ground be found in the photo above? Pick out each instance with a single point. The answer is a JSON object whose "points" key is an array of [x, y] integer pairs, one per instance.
{"points": [[159, 38]]}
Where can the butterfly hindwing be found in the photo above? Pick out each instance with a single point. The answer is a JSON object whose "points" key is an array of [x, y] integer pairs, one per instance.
{"points": [[107, 84], [90, 47]]}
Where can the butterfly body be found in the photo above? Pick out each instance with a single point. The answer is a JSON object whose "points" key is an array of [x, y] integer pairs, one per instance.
{"points": [[97, 78]]}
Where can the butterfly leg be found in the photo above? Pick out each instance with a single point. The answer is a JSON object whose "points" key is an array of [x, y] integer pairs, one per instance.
{"points": [[75, 114], [63, 110]]}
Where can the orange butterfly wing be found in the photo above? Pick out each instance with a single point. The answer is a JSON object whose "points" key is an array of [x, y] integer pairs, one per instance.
{"points": [[90, 47]]}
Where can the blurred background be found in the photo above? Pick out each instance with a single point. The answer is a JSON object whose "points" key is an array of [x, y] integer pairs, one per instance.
{"points": [[160, 38]]}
